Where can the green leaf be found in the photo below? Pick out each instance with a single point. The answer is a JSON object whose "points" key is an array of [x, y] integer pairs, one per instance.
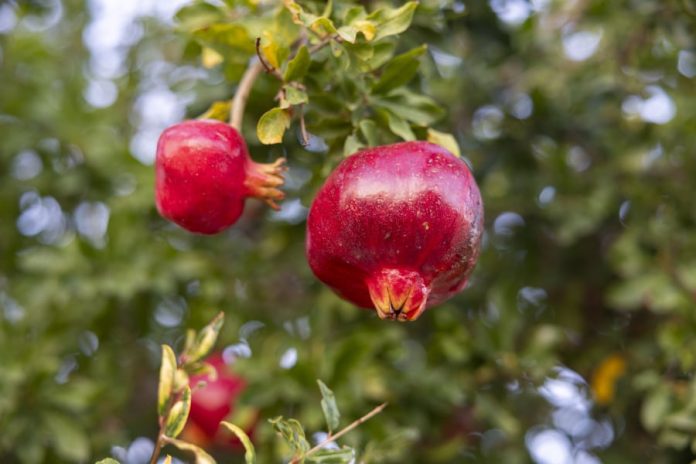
{"points": [[392, 21], [226, 36], [329, 407], [323, 26], [198, 15], [201, 457], [400, 70], [445, 140], [398, 125], [655, 408], [250, 454], [344, 455], [272, 126], [205, 341], [369, 130], [352, 145], [298, 65], [178, 414], [295, 96], [166, 380], [107, 461], [419, 109], [70, 441], [292, 432]]}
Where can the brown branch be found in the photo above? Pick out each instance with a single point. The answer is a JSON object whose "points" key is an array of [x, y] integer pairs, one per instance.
{"points": [[242, 94], [338, 435], [303, 128]]}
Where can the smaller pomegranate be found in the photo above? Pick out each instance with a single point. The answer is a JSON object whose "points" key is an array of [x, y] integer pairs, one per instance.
{"points": [[203, 174], [214, 403], [397, 228]]}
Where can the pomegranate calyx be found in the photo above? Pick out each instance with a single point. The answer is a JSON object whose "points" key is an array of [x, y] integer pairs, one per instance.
{"points": [[263, 180], [398, 294]]}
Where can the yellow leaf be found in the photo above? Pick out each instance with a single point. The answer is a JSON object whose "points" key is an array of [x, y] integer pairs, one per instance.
{"points": [[367, 28], [605, 377], [445, 140], [210, 58], [269, 48]]}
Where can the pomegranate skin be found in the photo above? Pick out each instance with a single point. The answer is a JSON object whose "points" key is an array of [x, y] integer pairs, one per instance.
{"points": [[396, 228], [203, 174]]}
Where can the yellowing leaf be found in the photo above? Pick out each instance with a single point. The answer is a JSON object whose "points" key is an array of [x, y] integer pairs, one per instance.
{"points": [[605, 377], [220, 111], [269, 48], [272, 126], [205, 340], [178, 414], [250, 454], [201, 456], [367, 28], [166, 379], [210, 58], [445, 140]]}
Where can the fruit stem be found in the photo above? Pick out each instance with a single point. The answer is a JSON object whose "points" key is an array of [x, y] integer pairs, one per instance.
{"points": [[242, 94]]}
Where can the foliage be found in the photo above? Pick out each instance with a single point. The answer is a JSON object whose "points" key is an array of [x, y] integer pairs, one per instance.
{"points": [[577, 118]]}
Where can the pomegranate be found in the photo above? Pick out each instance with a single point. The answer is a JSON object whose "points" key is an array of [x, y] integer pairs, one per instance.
{"points": [[214, 403], [396, 228], [204, 174]]}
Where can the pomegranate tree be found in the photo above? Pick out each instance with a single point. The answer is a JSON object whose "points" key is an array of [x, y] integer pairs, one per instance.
{"points": [[204, 174], [397, 228]]}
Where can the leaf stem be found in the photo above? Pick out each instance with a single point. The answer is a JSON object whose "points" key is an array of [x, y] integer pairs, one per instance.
{"points": [[339, 434]]}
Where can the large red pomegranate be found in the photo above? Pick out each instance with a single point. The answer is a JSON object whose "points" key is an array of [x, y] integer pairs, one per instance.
{"points": [[397, 228], [204, 174], [214, 403]]}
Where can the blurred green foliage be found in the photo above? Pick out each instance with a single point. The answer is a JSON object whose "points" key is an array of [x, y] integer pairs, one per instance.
{"points": [[578, 118]]}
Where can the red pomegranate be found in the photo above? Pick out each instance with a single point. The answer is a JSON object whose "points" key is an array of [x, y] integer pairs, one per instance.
{"points": [[214, 403], [397, 228], [204, 174]]}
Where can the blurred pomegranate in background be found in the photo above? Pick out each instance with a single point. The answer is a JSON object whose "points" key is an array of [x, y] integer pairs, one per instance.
{"points": [[214, 403]]}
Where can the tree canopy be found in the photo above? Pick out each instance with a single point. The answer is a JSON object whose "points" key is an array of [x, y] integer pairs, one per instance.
{"points": [[575, 339]]}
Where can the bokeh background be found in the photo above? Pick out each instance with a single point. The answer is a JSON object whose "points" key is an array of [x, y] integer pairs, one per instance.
{"points": [[574, 343]]}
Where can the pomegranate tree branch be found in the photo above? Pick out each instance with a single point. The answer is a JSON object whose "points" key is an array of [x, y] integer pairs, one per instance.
{"points": [[242, 94], [339, 434], [256, 66]]}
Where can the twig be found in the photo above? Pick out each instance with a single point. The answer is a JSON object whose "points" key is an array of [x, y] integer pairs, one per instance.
{"points": [[303, 128], [324, 41], [338, 435], [158, 446], [242, 94]]}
